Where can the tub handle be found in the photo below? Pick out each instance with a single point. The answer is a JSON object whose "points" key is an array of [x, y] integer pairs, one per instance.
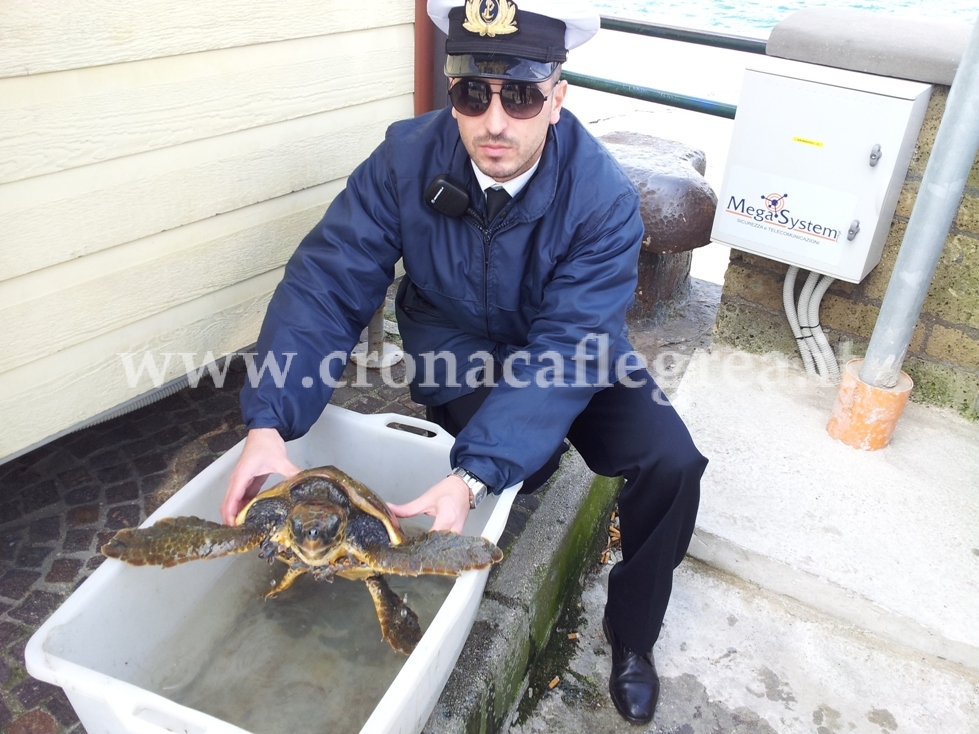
{"points": [[124, 706], [392, 420]]}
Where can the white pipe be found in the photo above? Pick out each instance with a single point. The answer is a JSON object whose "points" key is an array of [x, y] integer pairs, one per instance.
{"points": [[805, 321], [832, 366], [788, 301]]}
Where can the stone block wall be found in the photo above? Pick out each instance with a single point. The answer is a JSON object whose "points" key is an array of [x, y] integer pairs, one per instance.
{"points": [[943, 357]]}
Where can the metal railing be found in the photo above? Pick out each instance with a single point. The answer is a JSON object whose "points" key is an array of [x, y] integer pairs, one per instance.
{"points": [[686, 35]]}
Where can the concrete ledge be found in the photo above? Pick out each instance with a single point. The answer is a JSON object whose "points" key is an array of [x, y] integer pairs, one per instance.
{"points": [[524, 599], [828, 598], [885, 541], [905, 48]]}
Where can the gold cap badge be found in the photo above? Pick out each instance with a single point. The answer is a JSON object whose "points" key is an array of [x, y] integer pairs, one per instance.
{"points": [[490, 17]]}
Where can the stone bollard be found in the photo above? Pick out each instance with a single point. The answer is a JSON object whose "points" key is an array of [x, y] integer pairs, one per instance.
{"points": [[677, 207]]}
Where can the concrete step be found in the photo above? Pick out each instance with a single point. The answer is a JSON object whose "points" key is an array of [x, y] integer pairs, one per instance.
{"points": [[736, 659], [887, 541], [826, 590]]}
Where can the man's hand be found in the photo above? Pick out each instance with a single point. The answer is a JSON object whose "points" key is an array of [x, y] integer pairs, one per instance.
{"points": [[447, 502], [264, 454]]}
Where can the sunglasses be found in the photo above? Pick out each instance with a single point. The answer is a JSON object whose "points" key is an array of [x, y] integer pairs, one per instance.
{"points": [[520, 100]]}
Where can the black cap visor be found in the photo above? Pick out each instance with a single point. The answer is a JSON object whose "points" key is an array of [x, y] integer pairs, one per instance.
{"points": [[498, 66]]}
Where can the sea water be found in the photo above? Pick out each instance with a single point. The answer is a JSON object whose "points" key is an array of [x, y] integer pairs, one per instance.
{"points": [[310, 659], [756, 18]]}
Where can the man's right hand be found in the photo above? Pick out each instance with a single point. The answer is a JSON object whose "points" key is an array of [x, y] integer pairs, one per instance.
{"points": [[447, 502], [264, 454]]}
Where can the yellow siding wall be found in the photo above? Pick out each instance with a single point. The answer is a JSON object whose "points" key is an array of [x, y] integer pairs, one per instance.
{"points": [[159, 161]]}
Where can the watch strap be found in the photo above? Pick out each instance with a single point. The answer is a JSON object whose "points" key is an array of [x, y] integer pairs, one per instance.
{"points": [[477, 487]]}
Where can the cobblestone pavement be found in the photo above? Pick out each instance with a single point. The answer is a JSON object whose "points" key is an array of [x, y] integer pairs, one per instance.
{"points": [[61, 502]]}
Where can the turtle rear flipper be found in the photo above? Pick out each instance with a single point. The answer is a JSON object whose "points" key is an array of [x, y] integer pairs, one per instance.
{"points": [[399, 624], [437, 552], [175, 540]]}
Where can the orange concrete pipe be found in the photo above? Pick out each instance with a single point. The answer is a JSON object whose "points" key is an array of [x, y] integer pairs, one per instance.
{"points": [[864, 416]]}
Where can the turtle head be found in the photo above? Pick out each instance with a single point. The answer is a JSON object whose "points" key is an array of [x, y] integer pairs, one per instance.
{"points": [[315, 528]]}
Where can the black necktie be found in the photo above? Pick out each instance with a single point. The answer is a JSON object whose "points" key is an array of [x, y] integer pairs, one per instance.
{"points": [[496, 199]]}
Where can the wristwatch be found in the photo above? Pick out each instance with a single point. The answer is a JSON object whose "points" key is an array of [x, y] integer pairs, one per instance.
{"points": [[477, 487]]}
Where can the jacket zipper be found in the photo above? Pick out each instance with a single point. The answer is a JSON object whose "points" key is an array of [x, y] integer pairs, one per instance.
{"points": [[488, 233]]}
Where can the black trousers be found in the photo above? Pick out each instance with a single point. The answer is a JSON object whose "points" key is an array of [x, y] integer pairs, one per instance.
{"points": [[630, 432]]}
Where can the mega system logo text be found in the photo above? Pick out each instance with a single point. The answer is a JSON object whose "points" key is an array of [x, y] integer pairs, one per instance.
{"points": [[774, 213]]}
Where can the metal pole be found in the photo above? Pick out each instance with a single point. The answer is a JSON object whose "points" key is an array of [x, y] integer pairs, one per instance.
{"points": [[376, 353], [375, 333], [934, 210]]}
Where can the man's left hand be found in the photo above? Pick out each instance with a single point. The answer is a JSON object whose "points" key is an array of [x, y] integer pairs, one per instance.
{"points": [[447, 502]]}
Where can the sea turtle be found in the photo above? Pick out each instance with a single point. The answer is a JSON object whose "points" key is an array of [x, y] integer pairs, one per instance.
{"points": [[321, 522]]}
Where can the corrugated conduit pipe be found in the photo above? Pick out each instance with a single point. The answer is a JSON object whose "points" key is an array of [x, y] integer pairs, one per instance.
{"points": [[788, 301], [140, 401], [803, 315], [164, 391], [815, 350], [832, 366]]}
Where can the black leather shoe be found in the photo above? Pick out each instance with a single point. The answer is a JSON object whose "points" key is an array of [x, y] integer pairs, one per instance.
{"points": [[633, 685]]}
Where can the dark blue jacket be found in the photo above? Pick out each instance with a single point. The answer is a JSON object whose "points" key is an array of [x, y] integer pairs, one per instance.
{"points": [[554, 272]]}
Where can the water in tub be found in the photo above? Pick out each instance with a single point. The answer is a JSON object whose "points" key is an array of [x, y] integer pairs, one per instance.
{"points": [[310, 659]]}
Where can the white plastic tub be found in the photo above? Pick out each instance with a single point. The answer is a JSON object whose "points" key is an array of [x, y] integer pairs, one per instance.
{"points": [[104, 645]]}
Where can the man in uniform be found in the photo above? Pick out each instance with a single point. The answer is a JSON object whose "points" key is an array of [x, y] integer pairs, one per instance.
{"points": [[520, 236]]}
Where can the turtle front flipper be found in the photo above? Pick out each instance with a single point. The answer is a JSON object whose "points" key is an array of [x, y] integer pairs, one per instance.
{"points": [[175, 540], [399, 624], [438, 552], [286, 581]]}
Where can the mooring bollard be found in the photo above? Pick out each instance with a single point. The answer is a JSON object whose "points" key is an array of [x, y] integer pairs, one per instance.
{"points": [[677, 208]]}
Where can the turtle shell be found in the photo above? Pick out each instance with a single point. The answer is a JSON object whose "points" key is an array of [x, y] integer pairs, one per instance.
{"points": [[325, 523], [320, 517]]}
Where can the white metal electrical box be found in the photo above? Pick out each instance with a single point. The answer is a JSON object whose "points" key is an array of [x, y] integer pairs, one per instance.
{"points": [[817, 160]]}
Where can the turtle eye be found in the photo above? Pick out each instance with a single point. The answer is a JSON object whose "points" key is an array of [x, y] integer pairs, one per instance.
{"points": [[331, 526]]}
